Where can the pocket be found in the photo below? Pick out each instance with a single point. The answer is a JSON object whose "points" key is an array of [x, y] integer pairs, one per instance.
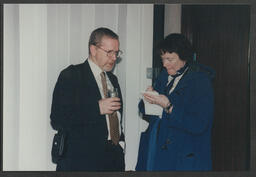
{"points": [[187, 162], [120, 149], [190, 155]]}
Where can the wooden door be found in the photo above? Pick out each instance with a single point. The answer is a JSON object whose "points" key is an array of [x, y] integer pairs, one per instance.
{"points": [[220, 35]]}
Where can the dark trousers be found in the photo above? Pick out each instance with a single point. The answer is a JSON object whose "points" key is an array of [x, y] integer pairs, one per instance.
{"points": [[111, 158], [114, 157]]}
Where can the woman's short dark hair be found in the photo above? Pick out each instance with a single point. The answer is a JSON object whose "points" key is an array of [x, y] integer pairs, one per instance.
{"points": [[178, 44], [98, 34]]}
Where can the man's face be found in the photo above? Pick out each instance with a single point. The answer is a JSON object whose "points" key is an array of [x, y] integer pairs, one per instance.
{"points": [[172, 62], [100, 56]]}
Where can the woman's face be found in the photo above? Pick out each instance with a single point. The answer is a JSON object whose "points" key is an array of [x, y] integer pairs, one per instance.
{"points": [[172, 62]]}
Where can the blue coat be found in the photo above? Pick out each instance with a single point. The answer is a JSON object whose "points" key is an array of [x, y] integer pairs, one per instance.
{"points": [[181, 140]]}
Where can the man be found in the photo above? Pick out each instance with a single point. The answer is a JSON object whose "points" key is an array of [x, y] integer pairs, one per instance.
{"points": [[91, 121]]}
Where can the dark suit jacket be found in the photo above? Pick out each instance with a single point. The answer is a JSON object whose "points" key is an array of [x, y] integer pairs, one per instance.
{"points": [[75, 109]]}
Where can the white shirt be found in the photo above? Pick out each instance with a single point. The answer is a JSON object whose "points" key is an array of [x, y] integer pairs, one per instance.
{"points": [[96, 70], [175, 83]]}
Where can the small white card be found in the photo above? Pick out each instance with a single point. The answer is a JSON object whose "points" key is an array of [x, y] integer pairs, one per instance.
{"points": [[150, 92], [152, 109]]}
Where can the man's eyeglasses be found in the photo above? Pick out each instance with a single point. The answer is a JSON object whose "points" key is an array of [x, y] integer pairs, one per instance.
{"points": [[111, 53]]}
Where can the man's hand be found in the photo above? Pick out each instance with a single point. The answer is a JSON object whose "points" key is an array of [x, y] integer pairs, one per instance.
{"points": [[109, 105]]}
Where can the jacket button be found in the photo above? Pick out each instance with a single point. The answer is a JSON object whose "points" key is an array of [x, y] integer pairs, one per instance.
{"points": [[164, 147], [168, 141]]}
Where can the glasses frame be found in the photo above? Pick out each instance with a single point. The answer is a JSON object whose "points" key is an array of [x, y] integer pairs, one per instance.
{"points": [[111, 53]]}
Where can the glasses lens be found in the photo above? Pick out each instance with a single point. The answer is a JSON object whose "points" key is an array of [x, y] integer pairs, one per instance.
{"points": [[119, 53], [113, 53]]}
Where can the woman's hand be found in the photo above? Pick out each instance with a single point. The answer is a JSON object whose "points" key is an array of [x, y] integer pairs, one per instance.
{"points": [[150, 88], [160, 100]]}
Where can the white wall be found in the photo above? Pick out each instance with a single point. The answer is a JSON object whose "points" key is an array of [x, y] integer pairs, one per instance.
{"points": [[11, 83], [41, 40], [138, 58], [33, 114]]}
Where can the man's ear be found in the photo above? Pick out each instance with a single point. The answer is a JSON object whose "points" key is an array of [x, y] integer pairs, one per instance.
{"points": [[93, 50]]}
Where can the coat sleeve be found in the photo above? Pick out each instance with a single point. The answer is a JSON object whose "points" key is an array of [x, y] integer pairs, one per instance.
{"points": [[63, 113], [192, 106], [158, 86]]}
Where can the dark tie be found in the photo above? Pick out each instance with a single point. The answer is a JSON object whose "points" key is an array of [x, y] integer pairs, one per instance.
{"points": [[113, 119], [179, 72], [169, 86]]}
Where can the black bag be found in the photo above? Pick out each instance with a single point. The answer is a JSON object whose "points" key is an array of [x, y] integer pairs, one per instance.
{"points": [[58, 146]]}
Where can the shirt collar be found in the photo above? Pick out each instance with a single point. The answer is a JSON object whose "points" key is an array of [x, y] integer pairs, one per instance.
{"points": [[170, 78], [95, 68]]}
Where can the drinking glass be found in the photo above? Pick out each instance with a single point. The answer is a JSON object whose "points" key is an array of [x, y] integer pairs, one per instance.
{"points": [[113, 92]]}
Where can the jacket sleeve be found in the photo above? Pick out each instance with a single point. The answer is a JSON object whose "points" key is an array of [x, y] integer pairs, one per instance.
{"points": [[192, 106], [63, 113]]}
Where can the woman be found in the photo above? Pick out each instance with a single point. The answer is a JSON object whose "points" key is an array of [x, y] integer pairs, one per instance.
{"points": [[179, 139]]}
